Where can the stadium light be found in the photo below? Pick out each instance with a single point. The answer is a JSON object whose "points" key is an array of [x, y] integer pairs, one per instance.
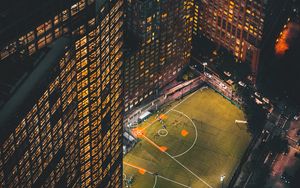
{"points": [[204, 65], [222, 178]]}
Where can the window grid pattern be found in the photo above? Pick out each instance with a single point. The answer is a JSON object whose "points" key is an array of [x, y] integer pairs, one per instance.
{"points": [[236, 25], [164, 30], [72, 136]]}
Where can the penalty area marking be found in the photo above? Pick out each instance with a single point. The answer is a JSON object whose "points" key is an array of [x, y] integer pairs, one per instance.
{"points": [[151, 173], [162, 132], [164, 151], [155, 181]]}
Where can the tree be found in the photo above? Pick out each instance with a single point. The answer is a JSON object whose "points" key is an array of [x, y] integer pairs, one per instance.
{"points": [[225, 61], [255, 114], [256, 117], [278, 145]]}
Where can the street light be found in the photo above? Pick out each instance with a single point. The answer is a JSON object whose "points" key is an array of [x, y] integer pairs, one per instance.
{"points": [[204, 65], [222, 179]]}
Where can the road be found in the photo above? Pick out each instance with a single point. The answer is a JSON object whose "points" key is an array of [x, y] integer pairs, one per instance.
{"points": [[288, 162], [292, 134]]}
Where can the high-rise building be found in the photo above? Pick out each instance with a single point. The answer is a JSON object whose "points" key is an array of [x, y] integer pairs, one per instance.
{"points": [[236, 25], [158, 42], [61, 93]]}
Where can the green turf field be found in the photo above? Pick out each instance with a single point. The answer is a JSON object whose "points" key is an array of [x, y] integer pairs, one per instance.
{"points": [[202, 143]]}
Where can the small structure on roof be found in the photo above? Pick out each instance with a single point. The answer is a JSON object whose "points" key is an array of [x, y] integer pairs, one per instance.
{"points": [[144, 116]]}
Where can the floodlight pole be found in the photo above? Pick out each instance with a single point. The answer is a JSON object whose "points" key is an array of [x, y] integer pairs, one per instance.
{"points": [[204, 66], [222, 180]]}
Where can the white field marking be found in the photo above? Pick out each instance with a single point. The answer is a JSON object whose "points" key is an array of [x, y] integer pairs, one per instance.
{"points": [[170, 109], [175, 158], [151, 173], [195, 140], [155, 181], [241, 121], [159, 132], [188, 170], [181, 102], [155, 145], [162, 177]]}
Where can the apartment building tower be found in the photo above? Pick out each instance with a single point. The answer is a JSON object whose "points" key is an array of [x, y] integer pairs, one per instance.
{"points": [[61, 93], [158, 42], [236, 25]]}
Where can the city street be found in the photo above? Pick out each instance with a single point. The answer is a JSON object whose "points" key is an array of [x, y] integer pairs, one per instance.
{"points": [[292, 134], [286, 163]]}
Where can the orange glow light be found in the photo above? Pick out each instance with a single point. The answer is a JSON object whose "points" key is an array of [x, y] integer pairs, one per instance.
{"points": [[140, 170], [184, 133], [288, 34], [282, 46], [138, 132], [163, 148], [163, 116]]}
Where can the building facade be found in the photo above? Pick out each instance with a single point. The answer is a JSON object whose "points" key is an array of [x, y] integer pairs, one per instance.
{"points": [[236, 25], [61, 99], [158, 42]]}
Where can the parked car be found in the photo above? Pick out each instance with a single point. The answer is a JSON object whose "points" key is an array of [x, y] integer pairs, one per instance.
{"points": [[296, 117], [257, 94], [227, 73], [266, 100], [208, 75], [265, 136], [242, 84]]}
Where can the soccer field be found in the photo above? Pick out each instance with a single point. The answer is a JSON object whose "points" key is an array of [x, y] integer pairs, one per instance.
{"points": [[195, 143]]}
